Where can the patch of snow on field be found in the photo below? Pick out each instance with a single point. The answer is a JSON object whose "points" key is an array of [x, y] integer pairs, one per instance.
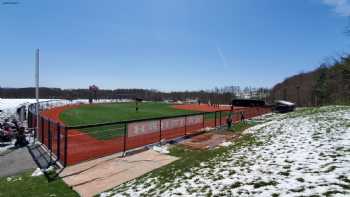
{"points": [[13, 179], [37, 172], [226, 144], [300, 154], [207, 129], [40, 172], [8, 107], [161, 149]]}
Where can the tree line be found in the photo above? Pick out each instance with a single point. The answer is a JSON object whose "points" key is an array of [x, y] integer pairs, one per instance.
{"points": [[328, 84], [217, 95]]}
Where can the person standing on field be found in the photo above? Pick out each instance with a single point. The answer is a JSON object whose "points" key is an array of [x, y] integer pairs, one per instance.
{"points": [[229, 121], [242, 117]]}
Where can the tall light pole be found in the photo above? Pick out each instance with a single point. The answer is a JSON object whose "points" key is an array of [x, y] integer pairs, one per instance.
{"points": [[37, 88]]}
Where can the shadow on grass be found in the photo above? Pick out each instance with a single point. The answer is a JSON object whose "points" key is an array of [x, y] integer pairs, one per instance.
{"points": [[25, 185]]}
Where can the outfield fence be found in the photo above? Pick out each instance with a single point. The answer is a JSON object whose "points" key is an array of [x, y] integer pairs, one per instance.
{"points": [[74, 144]]}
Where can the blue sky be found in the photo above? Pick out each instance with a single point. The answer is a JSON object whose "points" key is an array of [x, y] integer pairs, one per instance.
{"points": [[168, 44]]}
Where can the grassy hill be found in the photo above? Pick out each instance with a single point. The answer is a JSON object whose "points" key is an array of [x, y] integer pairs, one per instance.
{"points": [[303, 153]]}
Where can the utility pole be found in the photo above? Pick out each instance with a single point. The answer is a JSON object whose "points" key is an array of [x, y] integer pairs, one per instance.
{"points": [[37, 88]]}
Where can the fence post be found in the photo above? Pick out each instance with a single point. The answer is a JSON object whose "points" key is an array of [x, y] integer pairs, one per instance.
{"points": [[185, 124], [49, 135], [49, 139], [36, 131], [160, 131], [215, 119], [65, 145], [33, 120], [29, 119], [203, 120], [58, 142], [125, 136], [42, 130], [220, 119]]}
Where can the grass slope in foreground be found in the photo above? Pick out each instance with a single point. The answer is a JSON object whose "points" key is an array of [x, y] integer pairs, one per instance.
{"points": [[102, 113], [179, 169], [25, 185], [304, 153]]}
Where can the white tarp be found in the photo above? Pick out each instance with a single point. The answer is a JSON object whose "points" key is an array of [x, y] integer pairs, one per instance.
{"points": [[285, 103]]}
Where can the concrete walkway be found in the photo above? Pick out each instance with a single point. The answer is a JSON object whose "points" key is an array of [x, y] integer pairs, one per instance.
{"points": [[93, 177], [16, 161]]}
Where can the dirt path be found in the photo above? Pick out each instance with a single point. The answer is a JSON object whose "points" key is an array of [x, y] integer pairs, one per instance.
{"points": [[93, 177]]}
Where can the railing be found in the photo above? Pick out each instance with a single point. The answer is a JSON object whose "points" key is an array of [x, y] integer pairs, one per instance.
{"points": [[52, 134], [75, 144]]}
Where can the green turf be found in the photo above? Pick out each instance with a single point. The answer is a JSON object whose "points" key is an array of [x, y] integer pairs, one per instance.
{"points": [[102, 113], [105, 132], [24, 185], [241, 126]]}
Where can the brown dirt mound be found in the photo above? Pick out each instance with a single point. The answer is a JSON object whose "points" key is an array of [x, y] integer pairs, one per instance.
{"points": [[209, 140]]}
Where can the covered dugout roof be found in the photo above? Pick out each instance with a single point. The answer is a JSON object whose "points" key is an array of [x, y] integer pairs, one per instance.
{"points": [[287, 103]]}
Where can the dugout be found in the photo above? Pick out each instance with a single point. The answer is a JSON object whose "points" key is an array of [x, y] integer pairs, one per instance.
{"points": [[248, 103], [284, 106]]}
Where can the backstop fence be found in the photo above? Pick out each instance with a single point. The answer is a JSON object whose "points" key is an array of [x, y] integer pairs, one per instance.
{"points": [[72, 145]]}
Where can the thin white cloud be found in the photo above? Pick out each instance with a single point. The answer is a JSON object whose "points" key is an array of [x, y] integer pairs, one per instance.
{"points": [[341, 7], [222, 57]]}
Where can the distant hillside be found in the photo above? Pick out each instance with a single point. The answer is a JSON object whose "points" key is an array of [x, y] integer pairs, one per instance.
{"points": [[328, 84]]}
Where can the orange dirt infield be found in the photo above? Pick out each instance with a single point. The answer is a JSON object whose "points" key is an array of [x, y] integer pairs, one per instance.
{"points": [[54, 113], [83, 147]]}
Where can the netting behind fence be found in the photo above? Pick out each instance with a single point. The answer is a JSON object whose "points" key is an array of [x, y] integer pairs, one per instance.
{"points": [[52, 135]]}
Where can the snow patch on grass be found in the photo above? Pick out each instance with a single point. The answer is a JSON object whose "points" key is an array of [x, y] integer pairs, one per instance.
{"points": [[161, 149], [37, 172], [226, 144], [303, 153], [8, 107]]}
